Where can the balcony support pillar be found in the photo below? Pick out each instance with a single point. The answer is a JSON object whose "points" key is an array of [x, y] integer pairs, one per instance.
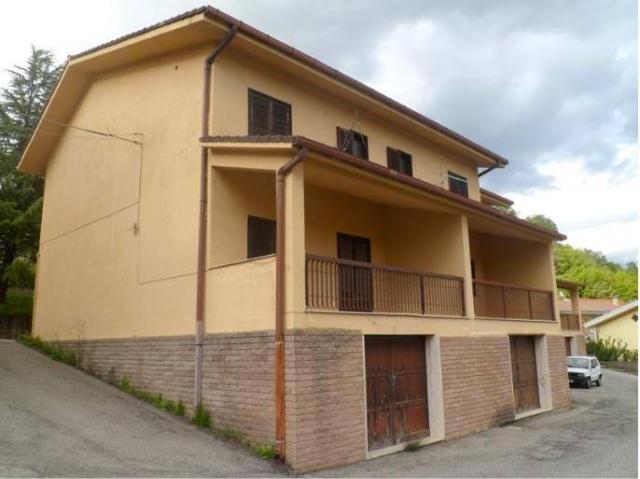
{"points": [[469, 307]]}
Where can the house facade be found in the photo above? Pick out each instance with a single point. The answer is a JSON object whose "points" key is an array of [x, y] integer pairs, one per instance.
{"points": [[618, 324], [229, 222]]}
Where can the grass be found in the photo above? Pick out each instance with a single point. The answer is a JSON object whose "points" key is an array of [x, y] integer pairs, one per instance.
{"points": [[54, 351], [157, 400], [19, 303]]}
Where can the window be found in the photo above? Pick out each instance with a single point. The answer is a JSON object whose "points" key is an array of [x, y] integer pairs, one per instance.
{"points": [[261, 237], [353, 142], [458, 184], [268, 116], [399, 161]]}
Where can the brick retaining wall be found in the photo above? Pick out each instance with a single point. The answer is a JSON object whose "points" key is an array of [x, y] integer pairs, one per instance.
{"points": [[558, 374]]}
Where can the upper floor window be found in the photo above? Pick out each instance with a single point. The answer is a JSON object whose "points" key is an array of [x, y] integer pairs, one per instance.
{"points": [[261, 237], [399, 161], [268, 116], [458, 184], [353, 142]]}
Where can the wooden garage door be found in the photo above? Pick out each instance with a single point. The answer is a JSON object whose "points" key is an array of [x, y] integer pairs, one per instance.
{"points": [[397, 408], [567, 345], [525, 373]]}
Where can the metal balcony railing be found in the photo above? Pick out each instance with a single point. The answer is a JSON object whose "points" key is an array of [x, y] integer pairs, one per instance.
{"points": [[342, 285]]}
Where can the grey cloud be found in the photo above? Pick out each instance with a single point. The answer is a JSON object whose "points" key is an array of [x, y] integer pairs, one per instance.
{"points": [[555, 79]]}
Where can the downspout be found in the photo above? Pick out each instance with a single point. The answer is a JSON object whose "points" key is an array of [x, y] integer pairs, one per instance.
{"points": [[281, 174], [201, 278]]}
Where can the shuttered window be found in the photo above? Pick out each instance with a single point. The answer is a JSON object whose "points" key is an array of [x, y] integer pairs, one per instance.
{"points": [[458, 184], [261, 237], [353, 142], [399, 161], [268, 116]]}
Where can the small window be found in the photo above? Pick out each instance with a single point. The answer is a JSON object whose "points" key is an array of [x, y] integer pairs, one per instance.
{"points": [[458, 184], [399, 161], [353, 142], [268, 116], [593, 364], [261, 237]]}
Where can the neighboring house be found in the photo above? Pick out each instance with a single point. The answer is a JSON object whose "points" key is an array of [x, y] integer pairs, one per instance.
{"points": [[590, 308], [621, 323], [399, 307]]}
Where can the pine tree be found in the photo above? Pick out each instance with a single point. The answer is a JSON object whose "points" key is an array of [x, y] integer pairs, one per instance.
{"points": [[21, 104]]}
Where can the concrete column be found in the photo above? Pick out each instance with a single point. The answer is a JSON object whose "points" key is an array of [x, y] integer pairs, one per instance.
{"points": [[295, 249], [553, 286], [468, 278]]}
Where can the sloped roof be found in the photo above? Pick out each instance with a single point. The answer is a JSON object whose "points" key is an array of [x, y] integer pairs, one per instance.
{"points": [[612, 314], [591, 305], [36, 152]]}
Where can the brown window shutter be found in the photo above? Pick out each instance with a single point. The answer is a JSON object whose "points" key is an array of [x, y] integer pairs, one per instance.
{"points": [[261, 236], [268, 116], [393, 159]]}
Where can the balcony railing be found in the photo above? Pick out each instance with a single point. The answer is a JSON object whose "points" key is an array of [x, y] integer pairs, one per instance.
{"points": [[343, 285], [570, 322], [497, 300]]}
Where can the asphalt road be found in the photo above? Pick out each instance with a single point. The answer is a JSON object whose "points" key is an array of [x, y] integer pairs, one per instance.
{"points": [[57, 421], [597, 437]]}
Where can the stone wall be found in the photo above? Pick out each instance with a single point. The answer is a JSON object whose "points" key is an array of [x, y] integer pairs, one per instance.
{"points": [[559, 377]]}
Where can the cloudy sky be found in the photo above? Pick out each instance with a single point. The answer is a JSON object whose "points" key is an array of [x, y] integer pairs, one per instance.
{"points": [[551, 85]]}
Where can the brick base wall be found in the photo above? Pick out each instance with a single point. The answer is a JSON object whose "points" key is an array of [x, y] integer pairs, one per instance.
{"points": [[238, 384], [325, 399], [162, 365], [238, 376], [477, 384], [560, 397]]}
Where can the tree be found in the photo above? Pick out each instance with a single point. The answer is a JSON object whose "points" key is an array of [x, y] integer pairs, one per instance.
{"points": [[543, 221], [21, 104]]}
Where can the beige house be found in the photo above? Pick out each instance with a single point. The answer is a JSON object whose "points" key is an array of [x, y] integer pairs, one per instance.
{"points": [[621, 323], [230, 222]]}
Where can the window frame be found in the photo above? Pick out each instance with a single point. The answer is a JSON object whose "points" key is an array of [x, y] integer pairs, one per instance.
{"points": [[347, 148], [404, 159], [271, 101], [451, 176], [251, 238]]}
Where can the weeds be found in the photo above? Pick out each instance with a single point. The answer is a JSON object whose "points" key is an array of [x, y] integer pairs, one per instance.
{"points": [[157, 400], [202, 417], [413, 446], [53, 350], [266, 451]]}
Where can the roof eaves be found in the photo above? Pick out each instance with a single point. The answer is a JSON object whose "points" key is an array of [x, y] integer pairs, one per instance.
{"points": [[612, 314]]}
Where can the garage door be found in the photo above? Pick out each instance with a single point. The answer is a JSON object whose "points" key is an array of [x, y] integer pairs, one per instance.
{"points": [[567, 345], [525, 373], [396, 389]]}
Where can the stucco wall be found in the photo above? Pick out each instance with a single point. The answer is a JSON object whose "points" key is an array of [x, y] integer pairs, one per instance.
{"points": [[623, 327], [511, 260], [97, 277], [400, 237], [317, 113]]}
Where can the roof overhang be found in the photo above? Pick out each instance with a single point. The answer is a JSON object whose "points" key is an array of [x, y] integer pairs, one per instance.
{"points": [[206, 25], [624, 309], [494, 199], [261, 142]]}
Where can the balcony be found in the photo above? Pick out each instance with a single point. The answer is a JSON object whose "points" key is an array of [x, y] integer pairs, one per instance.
{"points": [[343, 285], [570, 321], [502, 301]]}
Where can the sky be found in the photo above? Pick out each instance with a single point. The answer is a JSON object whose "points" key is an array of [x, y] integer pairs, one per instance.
{"points": [[550, 85]]}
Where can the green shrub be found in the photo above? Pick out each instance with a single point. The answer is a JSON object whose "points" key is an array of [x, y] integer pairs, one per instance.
{"points": [[630, 355], [202, 417], [608, 349]]}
